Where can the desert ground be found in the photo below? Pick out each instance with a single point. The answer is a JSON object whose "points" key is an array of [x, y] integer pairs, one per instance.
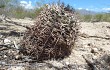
{"points": [[91, 51]]}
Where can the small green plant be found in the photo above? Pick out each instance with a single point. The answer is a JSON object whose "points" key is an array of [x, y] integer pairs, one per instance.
{"points": [[104, 17], [87, 18], [98, 17]]}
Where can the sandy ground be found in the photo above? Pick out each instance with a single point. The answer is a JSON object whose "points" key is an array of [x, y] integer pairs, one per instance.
{"points": [[90, 53]]}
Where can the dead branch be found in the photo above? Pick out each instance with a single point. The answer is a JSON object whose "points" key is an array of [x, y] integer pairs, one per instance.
{"points": [[8, 19], [90, 64], [18, 24], [2, 45], [87, 36]]}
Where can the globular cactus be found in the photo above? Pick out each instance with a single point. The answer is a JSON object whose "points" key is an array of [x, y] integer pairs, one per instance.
{"points": [[53, 35]]}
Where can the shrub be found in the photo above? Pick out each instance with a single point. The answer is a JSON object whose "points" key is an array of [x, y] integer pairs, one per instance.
{"points": [[104, 17], [87, 18]]}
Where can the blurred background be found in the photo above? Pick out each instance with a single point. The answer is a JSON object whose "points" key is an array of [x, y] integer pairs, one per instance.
{"points": [[87, 10]]}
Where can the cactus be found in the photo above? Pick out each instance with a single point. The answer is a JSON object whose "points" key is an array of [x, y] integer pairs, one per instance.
{"points": [[53, 35]]}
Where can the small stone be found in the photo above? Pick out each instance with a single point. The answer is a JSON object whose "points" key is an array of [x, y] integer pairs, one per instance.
{"points": [[94, 57], [94, 50], [67, 63], [7, 41], [17, 57], [5, 56], [89, 44]]}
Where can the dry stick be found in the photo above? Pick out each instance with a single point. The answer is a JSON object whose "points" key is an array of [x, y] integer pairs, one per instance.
{"points": [[15, 45], [90, 64], [106, 38], [16, 23], [7, 46], [3, 49], [3, 45], [5, 64]]}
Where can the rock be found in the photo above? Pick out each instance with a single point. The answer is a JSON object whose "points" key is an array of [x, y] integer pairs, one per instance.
{"points": [[94, 57], [94, 50], [5, 56], [17, 57], [90, 44], [67, 63], [7, 41]]}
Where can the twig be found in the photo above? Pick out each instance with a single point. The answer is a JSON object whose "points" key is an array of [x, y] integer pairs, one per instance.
{"points": [[90, 64], [3, 48], [5, 64], [3, 45], [7, 46], [15, 45], [16, 23], [99, 37]]}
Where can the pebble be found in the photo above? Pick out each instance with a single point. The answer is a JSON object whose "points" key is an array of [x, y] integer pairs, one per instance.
{"points": [[67, 63], [94, 57], [94, 50], [7, 41], [5, 56], [17, 57]]}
